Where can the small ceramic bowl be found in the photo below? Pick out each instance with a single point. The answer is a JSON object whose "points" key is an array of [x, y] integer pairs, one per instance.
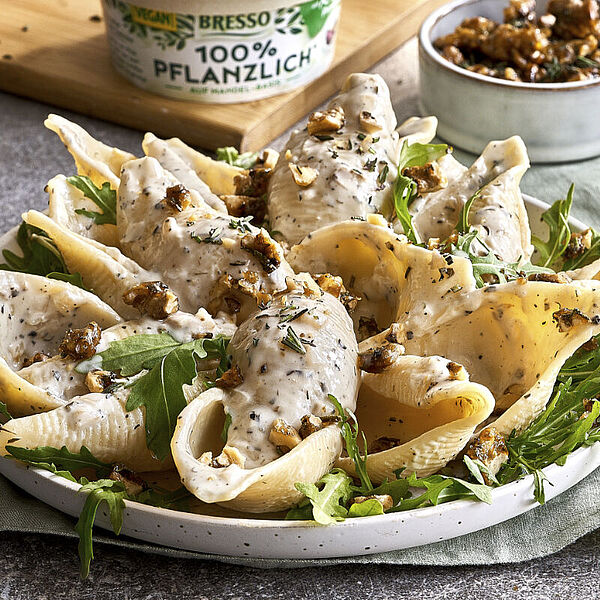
{"points": [[558, 121]]}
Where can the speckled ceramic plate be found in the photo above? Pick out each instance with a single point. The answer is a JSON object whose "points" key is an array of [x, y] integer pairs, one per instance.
{"points": [[213, 530]]}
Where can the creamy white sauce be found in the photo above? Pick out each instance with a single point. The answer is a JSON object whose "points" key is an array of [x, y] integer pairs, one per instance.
{"points": [[280, 383]]}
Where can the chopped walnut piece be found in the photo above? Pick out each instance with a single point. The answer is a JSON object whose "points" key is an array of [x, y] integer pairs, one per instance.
{"points": [[519, 10], [264, 248], [178, 197], [309, 424], [567, 318], [98, 381], [80, 344], [393, 334], [249, 285], [578, 244], [429, 177], [549, 277], [153, 298], [575, 18], [133, 483], [457, 372], [253, 183], [303, 176], [377, 360], [36, 358], [453, 55], [246, 206], [230, 379], [268, 159], [382, 444], [332, 284], [385, 500], [283, 435], [229, 456], [329, 120], [489, 447], [368, 122]]}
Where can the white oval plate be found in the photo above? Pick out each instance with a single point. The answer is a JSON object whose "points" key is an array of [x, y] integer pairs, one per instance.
{"points": [[262, 538]]}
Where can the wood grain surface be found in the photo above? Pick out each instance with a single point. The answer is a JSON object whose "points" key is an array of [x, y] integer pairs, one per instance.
{"points": [[56, 51]]}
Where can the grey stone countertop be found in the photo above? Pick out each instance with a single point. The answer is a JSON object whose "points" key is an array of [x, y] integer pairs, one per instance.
{"points": [[36, 567]]}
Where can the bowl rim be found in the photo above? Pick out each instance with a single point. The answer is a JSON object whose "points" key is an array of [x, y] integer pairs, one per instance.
{"points": [[426, 45]]}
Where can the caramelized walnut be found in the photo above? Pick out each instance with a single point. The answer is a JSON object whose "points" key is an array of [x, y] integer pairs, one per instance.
{"points": [[567, 318], [99, 381], [230, 379], [153, 298], [429, 177], [80, 344], [133, 483], [178, 197], [264, 248], [489, 447], [385, 500], [284, 436], [36, 358], [377, 360], [326, 121]]}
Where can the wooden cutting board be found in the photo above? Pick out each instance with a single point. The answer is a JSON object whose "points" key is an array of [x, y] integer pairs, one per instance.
{"points": [[56, 51]]}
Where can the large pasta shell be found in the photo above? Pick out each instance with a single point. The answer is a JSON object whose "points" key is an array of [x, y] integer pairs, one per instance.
{"points": [[177, 158], [93, 158], [269, 487], [197, 250], [427, 406], [64, 199], [498, 214], [345, 185], [396, 280], [97, 421], [35, 313], [508, 335], [107, 272], [218, 175], [280, 380]]}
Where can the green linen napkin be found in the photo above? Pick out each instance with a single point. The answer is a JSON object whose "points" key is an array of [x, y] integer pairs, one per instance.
{"points": [[539, 532]]}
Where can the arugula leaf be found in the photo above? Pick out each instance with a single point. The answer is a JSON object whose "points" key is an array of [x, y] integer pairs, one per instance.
{"points": [[178, 499], [404, 192], [488, 266], [226, 427], [328, 496], [54, 459], [143, 351], [569, 421], [369, 507], [556, 217], [40, 257], [104, 198], [405, 188], [231, 156], [463, 219], [350, 431], [72, 278], [103, 490], [417, 155], [587, 257], [160, 392], [4, 411]]}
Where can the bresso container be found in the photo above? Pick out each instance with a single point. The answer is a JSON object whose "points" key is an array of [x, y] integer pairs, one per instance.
{"points": [[209, 51]]}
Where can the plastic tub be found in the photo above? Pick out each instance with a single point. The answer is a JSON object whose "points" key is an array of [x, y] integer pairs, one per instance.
{"points": [[209, 51]]}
